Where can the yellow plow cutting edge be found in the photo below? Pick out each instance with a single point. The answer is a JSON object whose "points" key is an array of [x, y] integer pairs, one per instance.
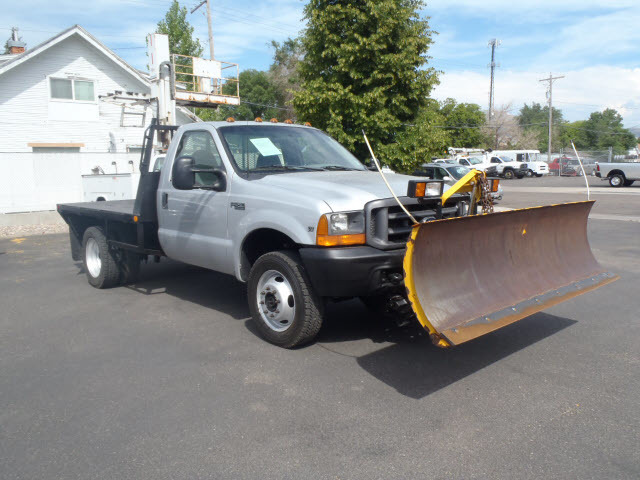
{"points": [[468, 276]]}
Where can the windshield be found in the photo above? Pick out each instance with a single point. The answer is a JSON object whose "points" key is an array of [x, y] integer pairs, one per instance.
{"points": [[475, 161], [458, 172], [271, 147]]}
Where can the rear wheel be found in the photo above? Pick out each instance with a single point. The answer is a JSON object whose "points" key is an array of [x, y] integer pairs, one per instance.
{"points": [[508, 174], [538, 174], [530, 173], [628, 183], [100, 262], [283, 305], [617, 180]]}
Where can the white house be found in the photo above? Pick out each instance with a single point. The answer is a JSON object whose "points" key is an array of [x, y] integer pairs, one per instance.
{"points": [[72, 94]]}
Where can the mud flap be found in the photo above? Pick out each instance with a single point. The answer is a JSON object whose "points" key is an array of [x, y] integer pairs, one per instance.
{"points": [[468, 276]]}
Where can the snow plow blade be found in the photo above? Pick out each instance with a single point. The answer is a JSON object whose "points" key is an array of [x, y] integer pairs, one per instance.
{"points": [[468, 276]]}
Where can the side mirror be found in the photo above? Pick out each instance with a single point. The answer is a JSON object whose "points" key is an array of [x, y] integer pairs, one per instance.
{"points": [[447, 178], [184, 176]]}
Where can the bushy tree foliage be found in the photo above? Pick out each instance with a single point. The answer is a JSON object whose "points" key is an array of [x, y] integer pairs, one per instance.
{"points": [[180, 32], [604, 129], [259, 97], [365, 68], [464, 122], [283, 72]]}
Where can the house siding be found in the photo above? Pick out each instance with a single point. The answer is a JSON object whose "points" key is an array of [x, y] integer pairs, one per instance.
{"points": [[28, 116]]}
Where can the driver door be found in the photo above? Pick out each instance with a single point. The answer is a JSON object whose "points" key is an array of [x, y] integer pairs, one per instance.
{"points": [[193, 223]]}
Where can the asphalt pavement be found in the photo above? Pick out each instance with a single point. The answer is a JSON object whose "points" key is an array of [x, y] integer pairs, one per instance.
{"points": [[167, 378]]}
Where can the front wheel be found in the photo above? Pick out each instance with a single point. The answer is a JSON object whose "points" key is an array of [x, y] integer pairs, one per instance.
{"points": [[538, 174], [530, 173], [284, 308], [508, 174], [616, 181]]}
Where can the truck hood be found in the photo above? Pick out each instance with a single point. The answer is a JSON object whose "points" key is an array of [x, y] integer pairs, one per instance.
{"points": [[342, 191]]}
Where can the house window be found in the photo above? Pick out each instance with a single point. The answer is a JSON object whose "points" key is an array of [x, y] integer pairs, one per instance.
{"points": [[72, 89]]}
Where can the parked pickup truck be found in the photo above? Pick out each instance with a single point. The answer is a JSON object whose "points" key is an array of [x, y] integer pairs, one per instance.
{"points": [[618, 174], [508, 168], [284, 208]]}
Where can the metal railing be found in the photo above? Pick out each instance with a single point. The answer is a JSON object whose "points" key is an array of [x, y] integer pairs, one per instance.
{"points": [[227, 84]]}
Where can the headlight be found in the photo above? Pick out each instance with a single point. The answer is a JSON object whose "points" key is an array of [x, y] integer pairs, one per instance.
{"points": [[423, 188], [345, 228], [345, 223]]}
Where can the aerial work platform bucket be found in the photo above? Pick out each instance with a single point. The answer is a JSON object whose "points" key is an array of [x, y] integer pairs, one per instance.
{"points": [[468, 276]]}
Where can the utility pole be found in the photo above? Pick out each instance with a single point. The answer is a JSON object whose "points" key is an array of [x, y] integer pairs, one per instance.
{"points": [[493, 43], [208, 2], [550, 94]]}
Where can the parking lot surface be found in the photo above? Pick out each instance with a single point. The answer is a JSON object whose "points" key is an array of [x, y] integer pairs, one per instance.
{"points": [[167, 378]]}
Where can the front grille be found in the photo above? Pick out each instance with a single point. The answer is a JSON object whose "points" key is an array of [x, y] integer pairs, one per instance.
{"points": [[388, 226]]}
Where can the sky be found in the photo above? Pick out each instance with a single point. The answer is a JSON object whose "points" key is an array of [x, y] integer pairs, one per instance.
{"points": [[595, 45]]}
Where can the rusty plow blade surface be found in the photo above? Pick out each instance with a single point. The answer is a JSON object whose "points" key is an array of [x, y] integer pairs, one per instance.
{"points": [[468, 276]]}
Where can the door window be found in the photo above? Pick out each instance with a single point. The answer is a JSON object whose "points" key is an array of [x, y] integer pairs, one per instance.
{"points": [[199, 145], [495, 160]]}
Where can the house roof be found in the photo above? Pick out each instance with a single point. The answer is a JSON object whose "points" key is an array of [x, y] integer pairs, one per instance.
{"points": [[75, 30]]}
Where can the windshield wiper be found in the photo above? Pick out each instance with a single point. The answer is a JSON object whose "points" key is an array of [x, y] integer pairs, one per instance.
{"points": [[284, 167], [338, 167]]}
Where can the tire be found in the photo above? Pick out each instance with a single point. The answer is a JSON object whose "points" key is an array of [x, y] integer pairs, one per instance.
{"points": [[508, 174], [286, 322], [617, 180], [530, 173], [100, 263], [538, 175], [628, 183]]}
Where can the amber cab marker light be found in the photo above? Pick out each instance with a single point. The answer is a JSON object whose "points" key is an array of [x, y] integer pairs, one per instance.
{"points": [[258, 119], [307, 124], [231, 120], [323, 238], [288, 121], [274, 120]]}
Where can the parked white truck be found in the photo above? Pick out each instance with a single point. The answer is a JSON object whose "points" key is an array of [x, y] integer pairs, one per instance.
{"points": [[618, 174], [531, 158], [292, 213]]}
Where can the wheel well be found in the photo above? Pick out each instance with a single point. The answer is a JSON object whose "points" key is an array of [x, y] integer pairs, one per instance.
{"points": [[616, 172], [259, 242]]}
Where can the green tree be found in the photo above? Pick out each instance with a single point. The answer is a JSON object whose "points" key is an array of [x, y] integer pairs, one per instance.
{"points": [[604, 129], [259, 97], [180, 32], [7, 50], [283, 72], [535, 118], [365, 68], [464, 122]]}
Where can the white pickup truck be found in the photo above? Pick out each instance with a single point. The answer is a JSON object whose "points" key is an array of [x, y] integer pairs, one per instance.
{"points": [[619, 174]]}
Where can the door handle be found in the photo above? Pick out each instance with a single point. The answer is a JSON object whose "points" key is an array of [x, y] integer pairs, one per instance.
{"points": [[165, 200]]}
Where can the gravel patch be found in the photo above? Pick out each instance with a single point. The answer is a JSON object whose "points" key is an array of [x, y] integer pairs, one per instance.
{"points": [[30, 230]]}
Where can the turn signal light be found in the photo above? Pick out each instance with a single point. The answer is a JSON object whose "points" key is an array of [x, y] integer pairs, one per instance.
{"points": [[494, 184]]}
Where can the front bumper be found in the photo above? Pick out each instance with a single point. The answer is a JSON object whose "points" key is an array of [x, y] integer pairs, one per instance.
{"points": [[352, 271]]}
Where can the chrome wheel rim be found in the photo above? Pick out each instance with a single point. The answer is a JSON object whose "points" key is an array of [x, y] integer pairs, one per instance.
{"points": [[616, 180], [276, 301], [92, 257]]}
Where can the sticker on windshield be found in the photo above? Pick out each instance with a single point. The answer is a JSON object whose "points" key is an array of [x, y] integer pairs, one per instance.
{"points": [[265, 146]]}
